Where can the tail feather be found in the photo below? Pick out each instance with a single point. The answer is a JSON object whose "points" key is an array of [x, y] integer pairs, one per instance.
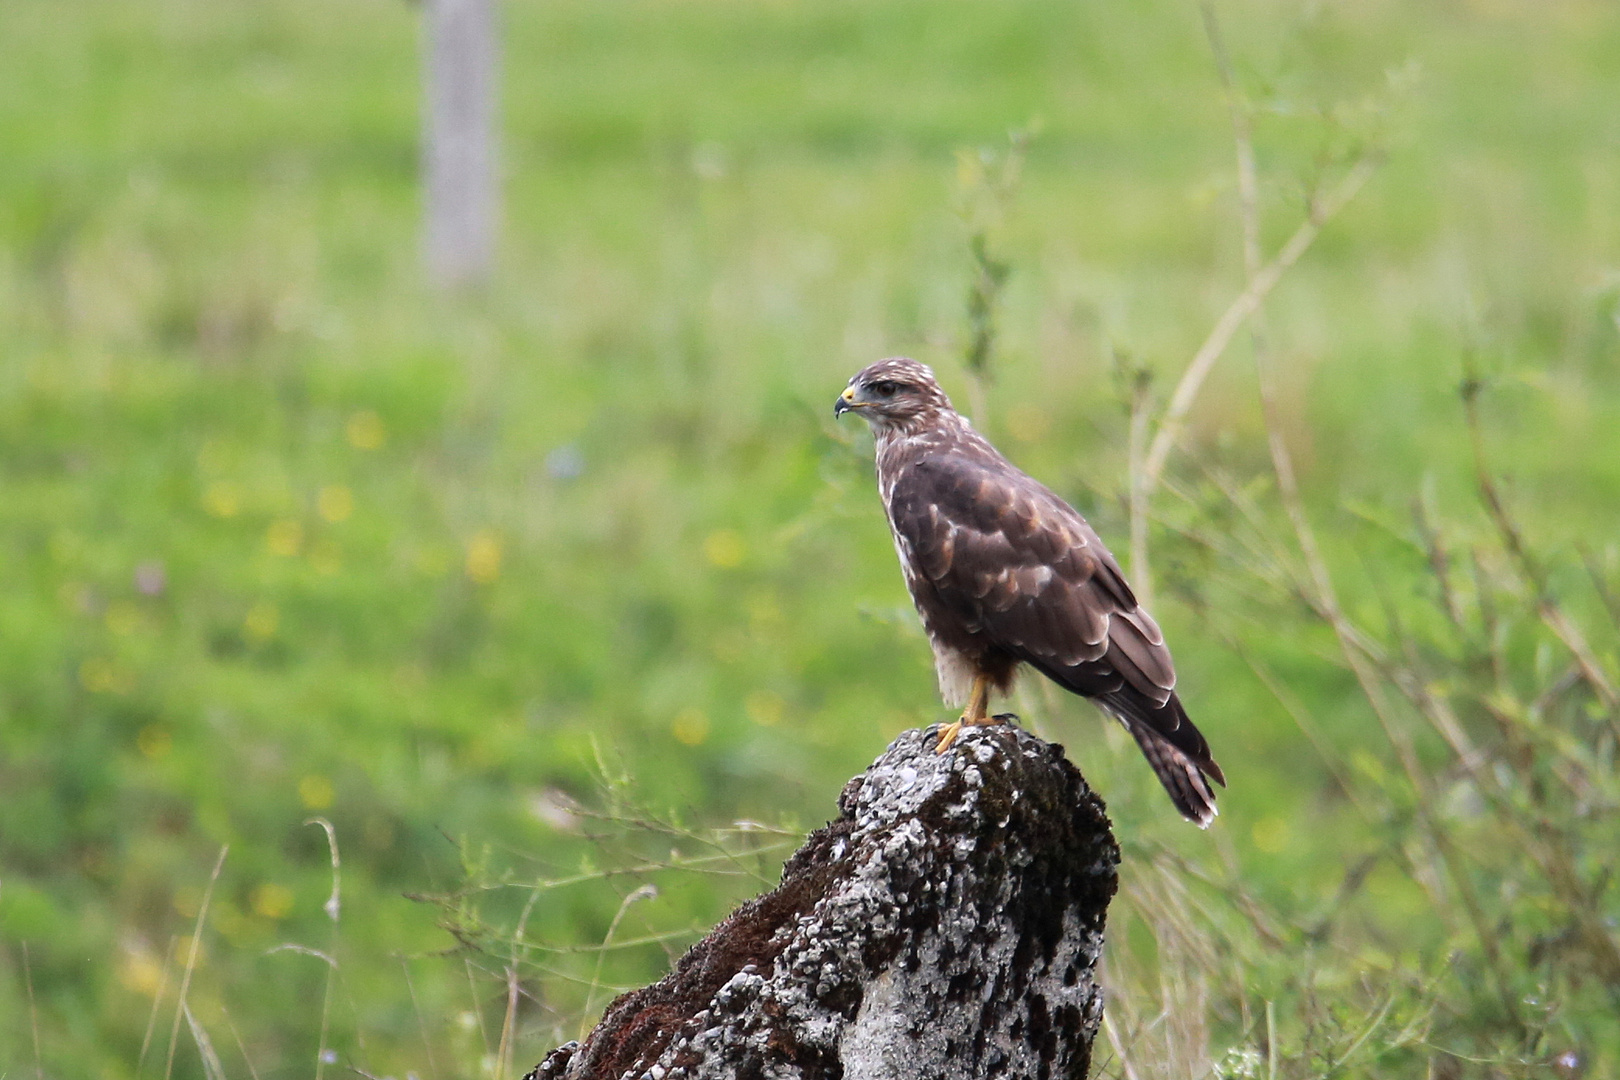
{"points": [[1181, 778], [1174, 748]]}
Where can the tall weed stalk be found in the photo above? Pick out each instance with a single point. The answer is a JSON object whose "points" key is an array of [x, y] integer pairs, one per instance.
{"points": [[1488, 667]]}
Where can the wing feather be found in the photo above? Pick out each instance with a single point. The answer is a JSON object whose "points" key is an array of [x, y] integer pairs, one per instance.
{"points": [[1133, 635], [1039, 582], [1017, 565]]}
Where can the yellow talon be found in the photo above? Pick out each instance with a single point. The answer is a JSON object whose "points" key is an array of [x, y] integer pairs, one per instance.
{"points": [[978, 705]]}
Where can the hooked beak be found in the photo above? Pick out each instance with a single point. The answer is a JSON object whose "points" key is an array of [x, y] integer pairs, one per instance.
{"points": [[846, 401]]}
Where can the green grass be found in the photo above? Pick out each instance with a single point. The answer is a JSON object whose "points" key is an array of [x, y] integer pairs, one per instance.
{"points": [[285, 534]]}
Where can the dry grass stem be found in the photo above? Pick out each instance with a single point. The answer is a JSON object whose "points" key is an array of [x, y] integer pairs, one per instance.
{"points": [[1330, 758], [421, 1022], [1552, 614], [157, 1002], [212, 1068], [645, 892], [513, 989], [1271, 1039], [477, 1006], [1321, 211], [334, 909], [33, 1012], [240, 1045], [1140, 403], [1118, 1046], [191, 959]]}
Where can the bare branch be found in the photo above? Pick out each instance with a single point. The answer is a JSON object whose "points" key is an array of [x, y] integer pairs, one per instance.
{"points": [[1246, 304]]}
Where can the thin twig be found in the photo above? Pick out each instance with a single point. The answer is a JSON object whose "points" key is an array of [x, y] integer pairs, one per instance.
{"points": [[1319, 213], [1434, 548], [1360, 1040]]}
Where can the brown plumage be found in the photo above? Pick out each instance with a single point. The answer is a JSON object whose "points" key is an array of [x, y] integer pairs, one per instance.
{"points": [[1004, 572]]}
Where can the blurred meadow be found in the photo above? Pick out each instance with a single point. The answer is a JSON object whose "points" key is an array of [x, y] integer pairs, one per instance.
{"points": [[554, 614]]}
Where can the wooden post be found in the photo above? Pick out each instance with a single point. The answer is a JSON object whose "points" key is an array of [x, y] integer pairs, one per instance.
{"points": [[459, 151]]}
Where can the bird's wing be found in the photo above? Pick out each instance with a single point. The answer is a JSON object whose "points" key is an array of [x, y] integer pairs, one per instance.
{"points": [[1020, 566]]}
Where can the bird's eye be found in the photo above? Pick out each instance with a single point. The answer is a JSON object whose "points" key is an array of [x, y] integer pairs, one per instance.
{"points": [[885, 388]]}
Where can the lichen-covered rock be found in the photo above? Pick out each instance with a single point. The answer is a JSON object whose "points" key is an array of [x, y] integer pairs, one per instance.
{"points": [[945, 927]]}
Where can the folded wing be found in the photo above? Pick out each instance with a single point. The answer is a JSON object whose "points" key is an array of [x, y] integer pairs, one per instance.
{"points": [[1019, 566]]}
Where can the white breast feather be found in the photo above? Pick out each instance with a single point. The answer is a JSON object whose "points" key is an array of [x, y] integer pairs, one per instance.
{"points": [[955, 674], [954, 671]]}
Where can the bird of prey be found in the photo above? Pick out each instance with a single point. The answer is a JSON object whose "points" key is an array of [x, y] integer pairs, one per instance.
{"points": [[1004, 572]]}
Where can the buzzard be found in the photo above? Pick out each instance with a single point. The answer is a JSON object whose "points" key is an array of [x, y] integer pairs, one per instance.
{"points": [[1003, 572]]}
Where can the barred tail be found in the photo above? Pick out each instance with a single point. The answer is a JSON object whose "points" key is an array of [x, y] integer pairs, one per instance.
{"points": [[1175, 748]]}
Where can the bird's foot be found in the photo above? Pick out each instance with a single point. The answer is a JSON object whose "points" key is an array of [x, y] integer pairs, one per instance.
{"points": [[953, 730]]}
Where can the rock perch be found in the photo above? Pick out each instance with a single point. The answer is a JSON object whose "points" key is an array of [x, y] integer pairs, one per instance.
{"points": [[945, 927]]}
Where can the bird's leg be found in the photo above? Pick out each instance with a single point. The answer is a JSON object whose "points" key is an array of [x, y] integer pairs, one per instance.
{"points": [[978, 706]]}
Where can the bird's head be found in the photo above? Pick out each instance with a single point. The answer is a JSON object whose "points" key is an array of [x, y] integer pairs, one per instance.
{"points": [[893, 394]]}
